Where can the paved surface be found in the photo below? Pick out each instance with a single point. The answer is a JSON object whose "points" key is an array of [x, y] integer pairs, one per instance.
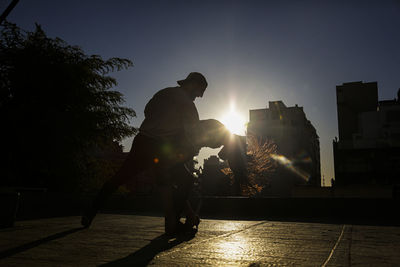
{"points": [[130, 240]]}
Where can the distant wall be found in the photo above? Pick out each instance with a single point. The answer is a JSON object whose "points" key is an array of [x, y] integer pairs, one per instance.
{"points": [[379, 210]]}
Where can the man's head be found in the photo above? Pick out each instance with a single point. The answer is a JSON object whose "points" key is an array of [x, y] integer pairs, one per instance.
{"points": [[195, 84]]}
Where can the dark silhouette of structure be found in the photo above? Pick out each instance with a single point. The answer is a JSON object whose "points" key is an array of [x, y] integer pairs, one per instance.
{"points": [[213, 181], [297, 145], [368, 149], [171, 135], [164, 144]]}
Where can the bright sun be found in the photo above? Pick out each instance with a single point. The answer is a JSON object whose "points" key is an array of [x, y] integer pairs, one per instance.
{"points": [[235, 123]]}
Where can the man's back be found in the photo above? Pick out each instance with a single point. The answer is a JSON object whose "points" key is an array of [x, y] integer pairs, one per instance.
{"points": [[168, 113]]}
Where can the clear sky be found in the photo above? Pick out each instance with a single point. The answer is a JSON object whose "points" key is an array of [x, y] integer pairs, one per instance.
{"points": [[251, 52]]}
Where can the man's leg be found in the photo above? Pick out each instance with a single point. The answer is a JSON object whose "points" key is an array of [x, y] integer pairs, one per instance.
{"points": [[182, 188], [175, 185], [170, 223], [131, 167]]}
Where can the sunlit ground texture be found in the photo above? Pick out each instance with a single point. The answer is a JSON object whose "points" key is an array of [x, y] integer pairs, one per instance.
{"points": [[128, 240]]}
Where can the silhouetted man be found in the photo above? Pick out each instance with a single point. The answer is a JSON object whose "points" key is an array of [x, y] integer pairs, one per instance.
{"points": [[170, 135]]}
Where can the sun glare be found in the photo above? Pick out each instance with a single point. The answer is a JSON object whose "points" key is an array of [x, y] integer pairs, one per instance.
{"points": [[235, 123]]}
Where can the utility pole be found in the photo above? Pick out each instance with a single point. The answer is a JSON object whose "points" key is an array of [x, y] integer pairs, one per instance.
{"points": [[8, 10]]}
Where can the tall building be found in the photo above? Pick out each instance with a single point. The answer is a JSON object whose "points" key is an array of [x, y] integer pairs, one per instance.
{"points": [[352, 100], [368, 149], [296, 139]]}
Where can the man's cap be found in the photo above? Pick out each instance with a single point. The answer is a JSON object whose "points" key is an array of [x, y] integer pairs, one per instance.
{"points": [[195, 77]]}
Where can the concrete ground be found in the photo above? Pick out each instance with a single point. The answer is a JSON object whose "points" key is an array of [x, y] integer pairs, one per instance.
{"points": [[131, 240]]}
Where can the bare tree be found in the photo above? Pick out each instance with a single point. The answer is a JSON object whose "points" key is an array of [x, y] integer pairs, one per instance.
{"points": [[260, 165]]}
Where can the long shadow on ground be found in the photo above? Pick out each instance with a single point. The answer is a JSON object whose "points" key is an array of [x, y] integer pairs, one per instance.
{"points": [[143, 256], [27, 246]]}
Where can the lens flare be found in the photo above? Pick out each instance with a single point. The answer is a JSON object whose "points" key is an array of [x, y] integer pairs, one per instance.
{"points": [[289, 165]]}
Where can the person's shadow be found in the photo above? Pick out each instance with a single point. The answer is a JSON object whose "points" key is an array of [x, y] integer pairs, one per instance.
{"points": [[143, 256], [33, 244]]}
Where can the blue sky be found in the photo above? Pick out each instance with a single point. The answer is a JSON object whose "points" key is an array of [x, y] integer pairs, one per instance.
{"points": [[250, 51]]}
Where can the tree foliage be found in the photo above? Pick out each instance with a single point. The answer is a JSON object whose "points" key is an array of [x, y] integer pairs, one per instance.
{"points": [[56, 108]]}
